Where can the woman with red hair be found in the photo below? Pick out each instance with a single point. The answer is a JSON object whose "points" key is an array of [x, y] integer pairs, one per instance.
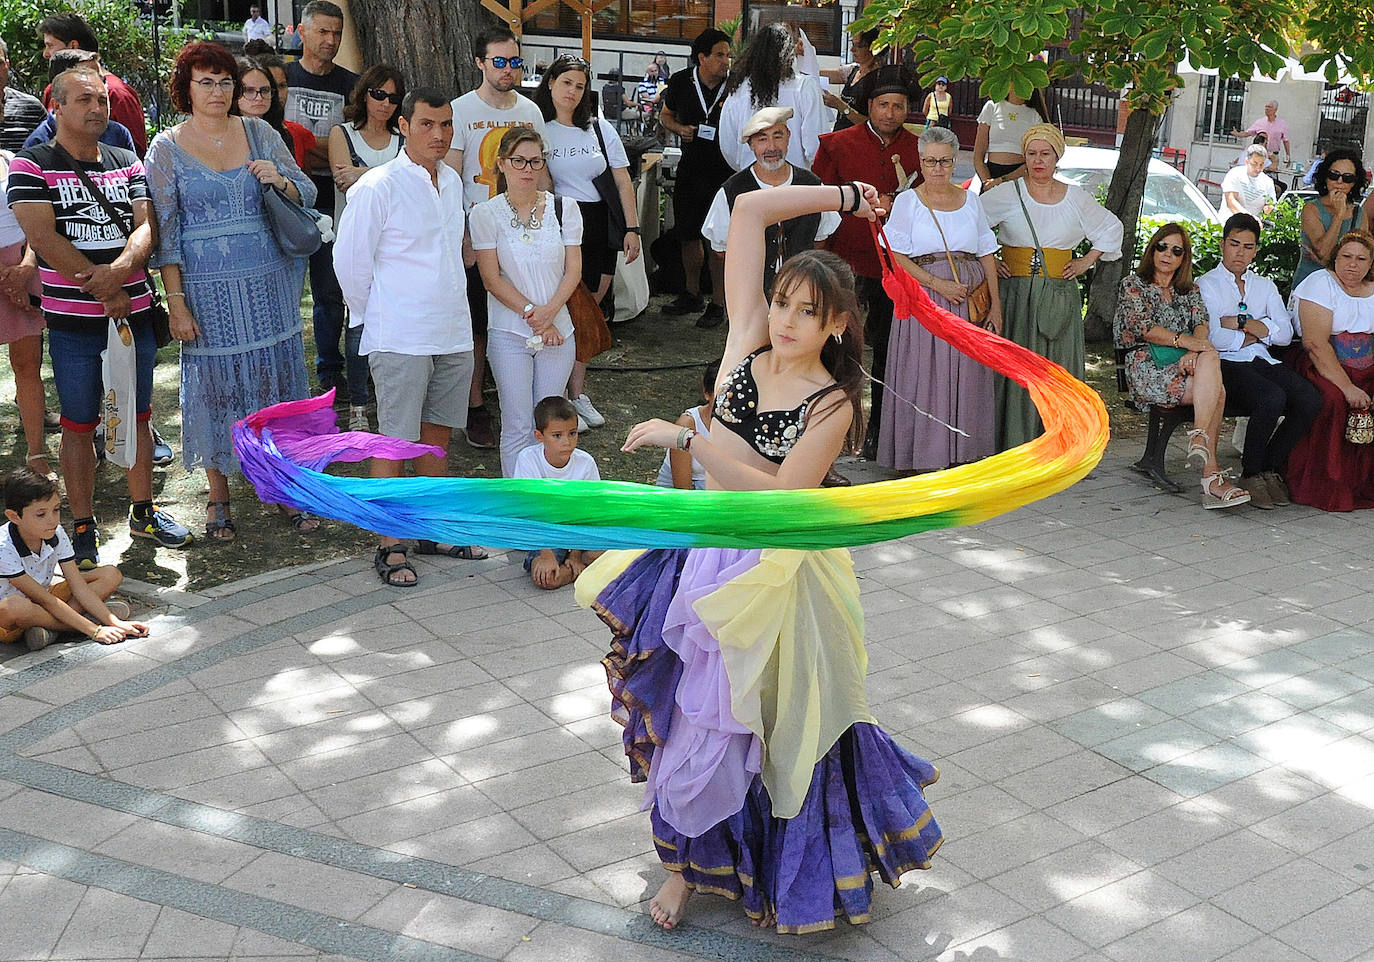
{"points": [[233, 296]]}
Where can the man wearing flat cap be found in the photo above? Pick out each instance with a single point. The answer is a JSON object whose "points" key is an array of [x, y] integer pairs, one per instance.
{"points": [[881, 152], [767, 136]]}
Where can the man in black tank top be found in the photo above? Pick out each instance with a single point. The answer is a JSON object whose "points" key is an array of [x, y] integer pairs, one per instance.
{"points": [[766, 134]]}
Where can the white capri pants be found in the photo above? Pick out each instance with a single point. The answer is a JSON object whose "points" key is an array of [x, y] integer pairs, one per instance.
{"points": [[524, 377]]}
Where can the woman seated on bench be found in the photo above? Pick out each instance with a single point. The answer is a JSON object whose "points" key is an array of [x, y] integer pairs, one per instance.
{"points": [[1161, 323]]}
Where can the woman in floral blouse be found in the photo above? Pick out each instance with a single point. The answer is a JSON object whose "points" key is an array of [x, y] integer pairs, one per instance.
{"points": [[1162, 324]]}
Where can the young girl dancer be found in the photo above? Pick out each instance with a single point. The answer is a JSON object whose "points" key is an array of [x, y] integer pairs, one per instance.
{"points": [[739, 674]]}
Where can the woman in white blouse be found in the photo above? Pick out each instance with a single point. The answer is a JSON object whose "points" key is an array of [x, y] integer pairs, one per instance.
{"points": [[940, 236], [1334, 314], [1040, 221], [997, 156], [764, 76], [579, 153], [530, 255]]}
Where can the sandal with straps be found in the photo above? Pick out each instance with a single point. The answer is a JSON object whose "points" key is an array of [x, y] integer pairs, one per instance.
{"points": [[1230, 495], [1197, 450], [219, 528], [387, 570]]}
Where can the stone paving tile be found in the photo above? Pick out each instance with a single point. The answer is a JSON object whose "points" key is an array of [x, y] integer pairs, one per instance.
{"points": [[1337, 930], [1199, 932]]}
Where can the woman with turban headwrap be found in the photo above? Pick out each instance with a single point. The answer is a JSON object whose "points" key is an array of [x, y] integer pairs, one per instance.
{"points": [[1040, 221]]}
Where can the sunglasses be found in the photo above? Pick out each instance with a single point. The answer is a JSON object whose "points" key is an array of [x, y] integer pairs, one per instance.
{"points": [[1163, 246], [377, 94], [533, 163], [501, 63], [1343, 178]]}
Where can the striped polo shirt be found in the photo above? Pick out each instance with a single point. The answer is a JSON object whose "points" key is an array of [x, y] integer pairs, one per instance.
{"points": [[40, 175]]}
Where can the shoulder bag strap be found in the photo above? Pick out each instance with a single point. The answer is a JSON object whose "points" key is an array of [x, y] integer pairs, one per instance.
{"points": [[596, 127], [97, 195], [948, 256], [1029, 223], [352, 151]]}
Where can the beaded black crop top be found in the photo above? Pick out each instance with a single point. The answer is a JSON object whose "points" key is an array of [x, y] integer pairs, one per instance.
{"points": [[770, 433]]}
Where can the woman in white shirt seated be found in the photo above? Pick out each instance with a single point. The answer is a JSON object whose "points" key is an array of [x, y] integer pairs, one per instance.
{"points": [[1040, 221], [530, 256], [1334, 313], [940, 236], [764, 76], [578, 154]]}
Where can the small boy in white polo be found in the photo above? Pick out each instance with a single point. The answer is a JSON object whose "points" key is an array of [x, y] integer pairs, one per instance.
{"points": [[33, 547]]}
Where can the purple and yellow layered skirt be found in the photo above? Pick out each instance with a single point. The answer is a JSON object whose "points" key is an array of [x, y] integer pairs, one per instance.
{"points": [[737, 676]]}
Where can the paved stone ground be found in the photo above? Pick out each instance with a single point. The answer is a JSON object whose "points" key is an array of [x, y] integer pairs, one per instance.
{"points": [[1153, 724]]}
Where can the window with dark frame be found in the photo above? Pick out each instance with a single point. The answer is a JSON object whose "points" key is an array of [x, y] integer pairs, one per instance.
{"points": [[1230, 110], [669, 20], [820, 18]]}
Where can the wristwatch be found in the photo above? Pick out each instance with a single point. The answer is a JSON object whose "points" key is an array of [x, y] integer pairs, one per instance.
{"points": [[632, 230]]}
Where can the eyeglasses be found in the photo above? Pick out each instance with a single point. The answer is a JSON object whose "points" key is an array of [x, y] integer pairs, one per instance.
{"points": [[379, 95], [533, 163], [1162, 246], [1343, 178], [501, 63], [256, 93], [206, 84], [937, 161]]}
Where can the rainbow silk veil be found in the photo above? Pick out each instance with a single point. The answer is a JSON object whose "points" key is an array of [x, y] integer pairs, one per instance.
{"points": [[285, 448]]}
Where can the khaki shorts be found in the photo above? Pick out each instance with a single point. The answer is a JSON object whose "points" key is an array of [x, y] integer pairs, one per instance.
{"points": [[420, 389]]}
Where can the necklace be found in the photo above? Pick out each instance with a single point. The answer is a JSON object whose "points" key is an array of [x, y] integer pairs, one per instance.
{"points": [[219, 141], [526, 228]]}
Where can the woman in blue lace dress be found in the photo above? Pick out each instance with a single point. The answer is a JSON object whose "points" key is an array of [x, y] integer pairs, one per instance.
{"points": [[234, 298]]}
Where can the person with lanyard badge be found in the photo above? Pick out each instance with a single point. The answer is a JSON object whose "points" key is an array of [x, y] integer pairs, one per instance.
{"points": [[937, 104], [1039, 221], [691, 110]]}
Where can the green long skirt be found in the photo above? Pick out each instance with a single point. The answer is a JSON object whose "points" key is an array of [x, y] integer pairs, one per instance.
{"points": [[1045, 315]]}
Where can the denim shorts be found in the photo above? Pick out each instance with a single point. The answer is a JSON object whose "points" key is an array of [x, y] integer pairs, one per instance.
{"points": [[560, 555], [76, 371]]}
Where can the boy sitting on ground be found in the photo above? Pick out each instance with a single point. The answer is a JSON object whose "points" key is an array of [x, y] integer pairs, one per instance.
{"points": [[556, 456], [32, 547]]}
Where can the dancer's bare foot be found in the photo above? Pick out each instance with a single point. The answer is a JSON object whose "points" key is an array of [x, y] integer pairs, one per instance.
{"points": [[667, 906]]}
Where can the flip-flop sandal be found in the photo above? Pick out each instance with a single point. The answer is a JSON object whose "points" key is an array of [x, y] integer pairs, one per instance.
{"points": [[463, 552], [386, 570], [226, 523]]}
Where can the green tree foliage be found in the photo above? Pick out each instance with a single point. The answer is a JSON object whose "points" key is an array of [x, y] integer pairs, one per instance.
{"points": [[1132, 45]]}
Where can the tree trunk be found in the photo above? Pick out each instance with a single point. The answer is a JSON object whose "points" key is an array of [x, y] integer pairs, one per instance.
{"points": [[429, 41], [1123, 199]]}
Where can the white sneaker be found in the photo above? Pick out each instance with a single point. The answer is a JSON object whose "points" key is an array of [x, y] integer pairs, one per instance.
{"points": [[581, 425], [357, 418], [588, 413]]}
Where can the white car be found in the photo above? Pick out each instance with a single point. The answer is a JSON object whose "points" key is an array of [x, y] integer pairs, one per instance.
{"points": [[1168, 194]]}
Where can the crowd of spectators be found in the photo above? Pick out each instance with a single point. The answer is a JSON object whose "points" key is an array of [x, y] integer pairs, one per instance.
{"points": [[470, 230]]}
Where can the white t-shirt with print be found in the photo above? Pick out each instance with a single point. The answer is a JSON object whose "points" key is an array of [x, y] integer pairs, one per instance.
{"points": [[575, 158], [531, 463], [477, 131], [16, 558]]}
